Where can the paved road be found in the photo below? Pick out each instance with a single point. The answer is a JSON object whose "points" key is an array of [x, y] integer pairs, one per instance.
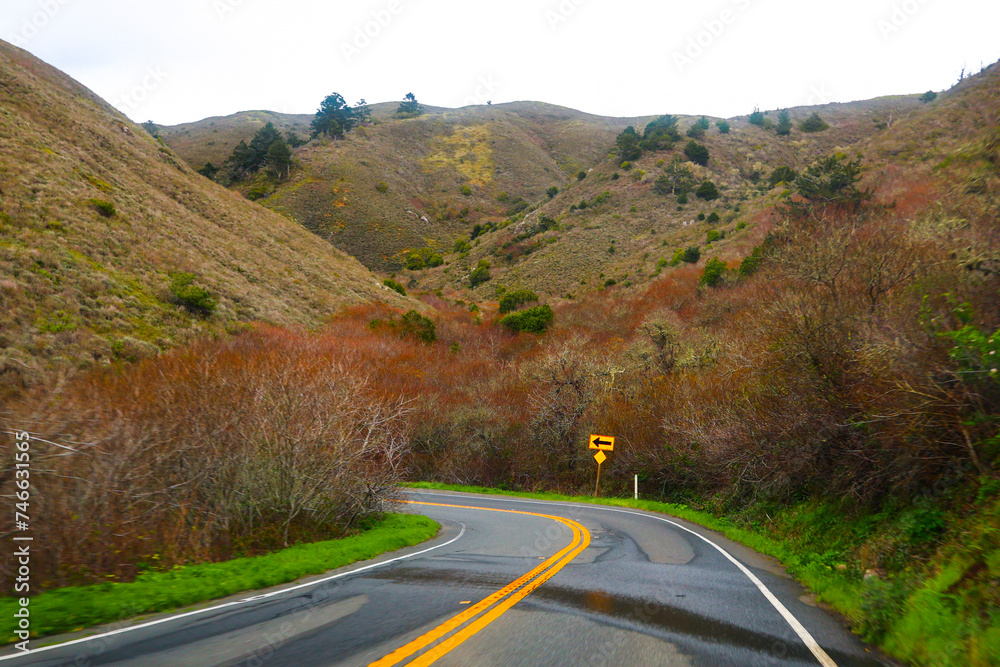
{"points": [[535, 583]]}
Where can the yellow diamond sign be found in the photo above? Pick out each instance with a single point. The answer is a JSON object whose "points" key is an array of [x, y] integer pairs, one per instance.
{"points": [[600, 457]]}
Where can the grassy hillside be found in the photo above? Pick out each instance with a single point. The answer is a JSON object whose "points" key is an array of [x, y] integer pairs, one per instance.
{"points": [[98, 221], [626, 228], [519, 149]]}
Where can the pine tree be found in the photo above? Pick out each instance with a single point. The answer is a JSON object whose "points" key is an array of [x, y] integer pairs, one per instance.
{"points": [[409, 107], [627, 144], [784, 127]]}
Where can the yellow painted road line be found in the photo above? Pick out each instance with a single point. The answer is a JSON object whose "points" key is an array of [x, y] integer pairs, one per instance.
{"points": [[452, 642], [581, 538]]}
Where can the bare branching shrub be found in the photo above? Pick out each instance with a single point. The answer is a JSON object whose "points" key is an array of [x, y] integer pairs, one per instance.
{"points": [[226, 447]]}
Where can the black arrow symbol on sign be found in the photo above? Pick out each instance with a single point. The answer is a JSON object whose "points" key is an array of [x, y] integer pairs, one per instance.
{"points": [[601, 443]]}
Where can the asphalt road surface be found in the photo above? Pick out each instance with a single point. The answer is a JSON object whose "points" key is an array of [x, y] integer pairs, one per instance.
{"points": [[507, 582]]}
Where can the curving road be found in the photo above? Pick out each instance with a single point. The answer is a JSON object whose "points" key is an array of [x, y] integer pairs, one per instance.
{"points": [[507, 582]]}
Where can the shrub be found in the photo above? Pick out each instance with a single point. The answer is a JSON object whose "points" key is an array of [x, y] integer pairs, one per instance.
{"points": [[462, 245], [715, 268], [712, 218], [531, 320], [582, 175], [393, 285], [503, 196], [466, 190], [257, 192], [712, 236], [417, 326], [414, 262], [682, 198], [480, 274], [513, 300], [435, 260], [707, 191], [610, 282], [781, 175], [832, 180], [703, 123], [660, 134], [784, 127], [626, 165], [190, 296], [691, 254], [627, 144], [696, 153], [696, 131], [757, 117], [929, 96], [615, 176], [382, 186], [723, 126], [552, 192], [104, 208], [813, 124]]}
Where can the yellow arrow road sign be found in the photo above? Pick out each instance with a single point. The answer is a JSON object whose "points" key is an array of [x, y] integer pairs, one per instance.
{"points": [[605, 442]]}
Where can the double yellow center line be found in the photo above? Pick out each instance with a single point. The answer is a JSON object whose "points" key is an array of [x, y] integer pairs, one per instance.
{"points": [[457, 629]]}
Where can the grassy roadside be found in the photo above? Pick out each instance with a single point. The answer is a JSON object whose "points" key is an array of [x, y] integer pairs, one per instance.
{"points": [[935, 603], [78, 607]]}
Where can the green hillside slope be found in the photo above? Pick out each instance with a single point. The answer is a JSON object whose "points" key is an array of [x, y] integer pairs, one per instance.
{"points": [[98, 221]]}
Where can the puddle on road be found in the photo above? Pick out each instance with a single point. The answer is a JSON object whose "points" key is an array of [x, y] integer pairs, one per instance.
{"points": [[651, 617]]}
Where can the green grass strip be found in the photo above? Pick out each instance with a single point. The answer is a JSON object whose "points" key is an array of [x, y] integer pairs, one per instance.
{"points": [[78, 607]]}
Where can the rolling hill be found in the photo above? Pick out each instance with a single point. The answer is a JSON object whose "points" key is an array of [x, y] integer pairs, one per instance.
{"points": [[108, 240]]}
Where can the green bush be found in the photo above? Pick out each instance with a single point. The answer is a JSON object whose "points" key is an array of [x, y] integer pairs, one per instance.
{"points": [[701, 216], [257, 192], [660, 134], [104, 208], [582, 175], [784, 127], [503, 196], [707, 191], [615, 176], [462, 245], [416, 325], [682, 198], [414, 262], [531, 320], [929, 96], [691, 254], [393, 285], [188, 295], [626, 165], [696, 153], [712, 236], [513, 300], [813, 124], [712, 218], [466, 190], [757, 117], [382, 186], [627, 144], [715, 268], [723, 126], [781, 175], [480, 274], [552, 192], [695, 132]]}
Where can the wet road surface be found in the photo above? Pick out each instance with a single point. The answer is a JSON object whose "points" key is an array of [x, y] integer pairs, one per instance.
{"points": [[535, 583]]}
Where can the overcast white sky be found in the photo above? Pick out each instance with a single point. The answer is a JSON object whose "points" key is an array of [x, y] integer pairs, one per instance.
{"points": [[174, 61]]}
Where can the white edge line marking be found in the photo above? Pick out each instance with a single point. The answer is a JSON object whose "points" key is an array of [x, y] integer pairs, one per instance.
{"points": [[807, 639], [235, 603]]}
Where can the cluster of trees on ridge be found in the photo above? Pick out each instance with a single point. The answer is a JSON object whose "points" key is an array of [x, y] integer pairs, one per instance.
{"points": [[271, 153]]}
